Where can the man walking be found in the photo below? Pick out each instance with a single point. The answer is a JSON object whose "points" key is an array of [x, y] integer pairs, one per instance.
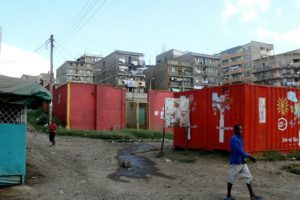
{"points": [[238, 165]]}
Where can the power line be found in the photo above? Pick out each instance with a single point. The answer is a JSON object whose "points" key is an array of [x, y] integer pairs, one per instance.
{"points": [[60, 53], [78, 19], [79, 27], [63, 49], [72, 24], [27, 55]]}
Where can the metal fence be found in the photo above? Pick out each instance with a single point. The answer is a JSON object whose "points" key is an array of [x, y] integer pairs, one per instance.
{"points": [[12, 113]]}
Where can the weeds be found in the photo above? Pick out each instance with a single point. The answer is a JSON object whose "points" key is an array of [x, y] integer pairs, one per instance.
{"points": [[292, 168], [271, 156], [294, 155], [190, 156]]}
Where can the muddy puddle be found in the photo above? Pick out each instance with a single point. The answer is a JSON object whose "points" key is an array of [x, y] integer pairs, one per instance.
{"points": [[135, 166]]}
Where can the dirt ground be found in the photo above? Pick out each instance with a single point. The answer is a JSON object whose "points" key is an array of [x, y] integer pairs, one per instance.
{"points": [[87, 169]]}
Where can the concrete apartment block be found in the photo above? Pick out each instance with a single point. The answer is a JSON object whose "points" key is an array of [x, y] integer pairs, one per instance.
{"points": [[279, 70], [80, 71], [237, 63], [180, 71], [122, 69]]}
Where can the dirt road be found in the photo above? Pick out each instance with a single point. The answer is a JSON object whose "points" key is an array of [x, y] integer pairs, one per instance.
{"points": [[88, 169]]}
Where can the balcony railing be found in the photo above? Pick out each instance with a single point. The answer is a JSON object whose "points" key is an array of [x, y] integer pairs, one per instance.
{"points": [[240, 62], [234, 80], [268, 77], [236, 71], [229, 56]]}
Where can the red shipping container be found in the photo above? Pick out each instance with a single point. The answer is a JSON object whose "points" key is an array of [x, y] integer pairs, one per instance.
{"points": [[270, 117]]}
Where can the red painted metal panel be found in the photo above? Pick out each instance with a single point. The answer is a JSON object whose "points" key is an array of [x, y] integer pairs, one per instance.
{"points": [[198, 121], [225, 111], [82, 106], [92, 107], [270, 117], [156, 101], [60, 103], [110, 110]]}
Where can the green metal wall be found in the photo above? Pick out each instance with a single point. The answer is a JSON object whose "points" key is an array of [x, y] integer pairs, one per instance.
{"points": [[12, 153]]}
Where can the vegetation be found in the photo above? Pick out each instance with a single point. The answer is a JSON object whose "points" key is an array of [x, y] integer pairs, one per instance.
{"points": [[295, 155], [39, 120], [271, 156], [292, 168], [190, 156], [278, 156]]}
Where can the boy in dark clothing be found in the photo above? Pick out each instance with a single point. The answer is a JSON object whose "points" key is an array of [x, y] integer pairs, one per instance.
{"points": [[52, 132], [238, 165]]}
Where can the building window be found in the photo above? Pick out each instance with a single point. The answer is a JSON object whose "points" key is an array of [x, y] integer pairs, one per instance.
{"points": [[173, 69]]}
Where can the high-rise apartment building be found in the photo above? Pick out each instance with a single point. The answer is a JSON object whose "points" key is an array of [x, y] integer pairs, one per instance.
{"points": [[80, 70], [123, 69], [237, 62], [180, 71], [279, 70]]}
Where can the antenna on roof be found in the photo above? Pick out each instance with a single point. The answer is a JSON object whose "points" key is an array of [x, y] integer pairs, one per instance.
{"points": [[163, 48]]}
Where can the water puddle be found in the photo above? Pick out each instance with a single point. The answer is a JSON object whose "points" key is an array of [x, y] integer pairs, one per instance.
{"points": [[138, 167]]}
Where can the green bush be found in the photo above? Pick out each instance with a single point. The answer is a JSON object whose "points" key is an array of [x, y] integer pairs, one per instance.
{"points": [[42, 120], [39, 117], [294, 155]]}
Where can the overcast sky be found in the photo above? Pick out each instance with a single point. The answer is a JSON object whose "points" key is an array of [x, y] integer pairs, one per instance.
{"points": [[146, 26]]}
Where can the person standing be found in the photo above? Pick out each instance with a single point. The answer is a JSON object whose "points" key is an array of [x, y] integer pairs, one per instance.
{"points": [[52, 132], [238, 165]]}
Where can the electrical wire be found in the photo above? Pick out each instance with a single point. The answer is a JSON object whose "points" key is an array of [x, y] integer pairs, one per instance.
{"points": [[75, 20], [79, 19], [60, 53], [83, 21], [59, 57], [64, 50]]}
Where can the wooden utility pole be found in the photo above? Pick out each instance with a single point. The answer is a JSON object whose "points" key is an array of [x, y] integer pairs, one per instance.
{"points": [[51, 78]]}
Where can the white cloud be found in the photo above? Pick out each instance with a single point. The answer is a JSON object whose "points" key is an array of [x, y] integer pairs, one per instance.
{"points": [[229, 10], [246, 10], [15, 62], [290, 36], [249, 15]]}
